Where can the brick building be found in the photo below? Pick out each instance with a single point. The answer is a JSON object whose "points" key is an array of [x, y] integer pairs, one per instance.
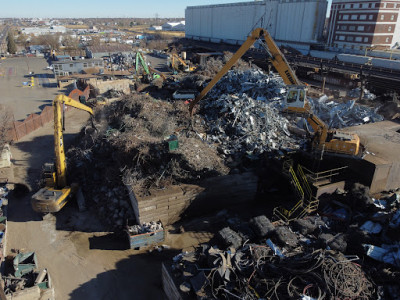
{"points": [[364, 24]]}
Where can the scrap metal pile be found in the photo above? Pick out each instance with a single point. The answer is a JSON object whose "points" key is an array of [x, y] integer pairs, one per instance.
{"points": [[144, 228], [132, 146], [367, 95], [340, 115], [25, 278], [255, 271], [349, 251], [121, 62]]}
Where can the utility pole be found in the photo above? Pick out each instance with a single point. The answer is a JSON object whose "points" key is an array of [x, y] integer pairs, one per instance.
{"points": [[362, 81]]}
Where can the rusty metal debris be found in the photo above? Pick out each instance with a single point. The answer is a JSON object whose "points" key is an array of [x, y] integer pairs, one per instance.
{"points": [[257, 271]]}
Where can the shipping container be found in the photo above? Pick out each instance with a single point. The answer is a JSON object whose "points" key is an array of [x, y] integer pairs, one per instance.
{"points": [[386, 63], [355, 59], [323, 54], [299, 22]]}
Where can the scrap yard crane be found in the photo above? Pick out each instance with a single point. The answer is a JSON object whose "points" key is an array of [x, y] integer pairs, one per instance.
{"points": [[150, 73], [56, 192], [178, 64], [295, 102]]}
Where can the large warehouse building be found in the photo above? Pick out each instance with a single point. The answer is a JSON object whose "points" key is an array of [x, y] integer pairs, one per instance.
{"points": [[297, 23]]}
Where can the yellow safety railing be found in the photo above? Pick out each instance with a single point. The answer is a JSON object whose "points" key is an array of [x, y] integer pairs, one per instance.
{"points": [[306, 186], [296, 183], [306, 204]]}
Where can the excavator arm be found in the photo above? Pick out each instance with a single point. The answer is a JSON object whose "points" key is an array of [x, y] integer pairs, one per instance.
{"points": [[154, 71], [295, 101], [60, 165], [140, 61], [276, 57], [56, 193]]}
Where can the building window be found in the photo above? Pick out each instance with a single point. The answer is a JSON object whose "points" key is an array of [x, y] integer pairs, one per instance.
{"points": [[370, 5], [352, 28], [350, 38], [60, 67], [347, 6], [341, 38], [368, 28], [352, 46], [71, 65], [337, 27], [390, 28], [336, 37], [366, 40], [391, 17], [345, 17], [360, 28], [365, 5], [370, 17], [377, 4], [358, 39], [340, 17], [361, 48], [382, 17], [354, 17], [363, 17], [55, 67], [85, 65], [343, 27], [387, 40]]}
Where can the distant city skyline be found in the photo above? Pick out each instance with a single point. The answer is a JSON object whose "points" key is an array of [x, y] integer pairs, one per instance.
{"points": [[104, 9]]}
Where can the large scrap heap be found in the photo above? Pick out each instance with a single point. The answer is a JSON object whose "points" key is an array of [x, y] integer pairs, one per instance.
{"points": [[239, 121]]}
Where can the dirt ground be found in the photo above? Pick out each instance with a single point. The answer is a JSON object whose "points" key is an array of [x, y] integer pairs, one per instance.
{"points": [[26, 100], [83, 261]]}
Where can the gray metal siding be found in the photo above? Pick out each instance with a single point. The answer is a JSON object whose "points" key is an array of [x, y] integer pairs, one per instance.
{"points": [[294, 21]]}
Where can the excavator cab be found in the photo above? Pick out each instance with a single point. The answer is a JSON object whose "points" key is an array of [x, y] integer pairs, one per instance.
{"points": [[296, 97]]}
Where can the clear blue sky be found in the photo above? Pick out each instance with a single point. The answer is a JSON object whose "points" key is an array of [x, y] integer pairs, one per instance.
{"points": [[100, 8]]}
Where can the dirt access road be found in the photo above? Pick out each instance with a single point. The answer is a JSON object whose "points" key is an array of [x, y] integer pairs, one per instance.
{"points": [[83, 261]]}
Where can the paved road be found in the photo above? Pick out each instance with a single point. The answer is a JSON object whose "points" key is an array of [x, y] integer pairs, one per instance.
{"points": [[3, 37], [25, 100]]}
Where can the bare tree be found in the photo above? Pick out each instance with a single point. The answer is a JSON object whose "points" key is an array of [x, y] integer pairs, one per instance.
{"points": [[71, 44], [50, 40], [6, 120]]}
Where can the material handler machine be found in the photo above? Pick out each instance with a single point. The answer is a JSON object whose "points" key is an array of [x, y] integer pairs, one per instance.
{"points": [[324, 140], [57, 192]]}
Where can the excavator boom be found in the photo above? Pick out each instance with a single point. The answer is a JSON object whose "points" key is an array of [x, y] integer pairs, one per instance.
{"points": [[276, 57], [56, 193], [295, 101]]}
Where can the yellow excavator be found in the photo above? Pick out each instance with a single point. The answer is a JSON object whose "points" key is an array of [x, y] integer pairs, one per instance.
{"points": [[178, 64], [295, 102], [56, 192]]}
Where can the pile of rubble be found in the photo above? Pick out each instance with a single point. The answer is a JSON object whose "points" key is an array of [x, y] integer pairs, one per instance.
{"points": [[238, 121], [131, 145], [355, 93], [25, 280], [144, 228], [242, 125], [121, 62], [340, 115], [257, 271], [322, 256]]}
